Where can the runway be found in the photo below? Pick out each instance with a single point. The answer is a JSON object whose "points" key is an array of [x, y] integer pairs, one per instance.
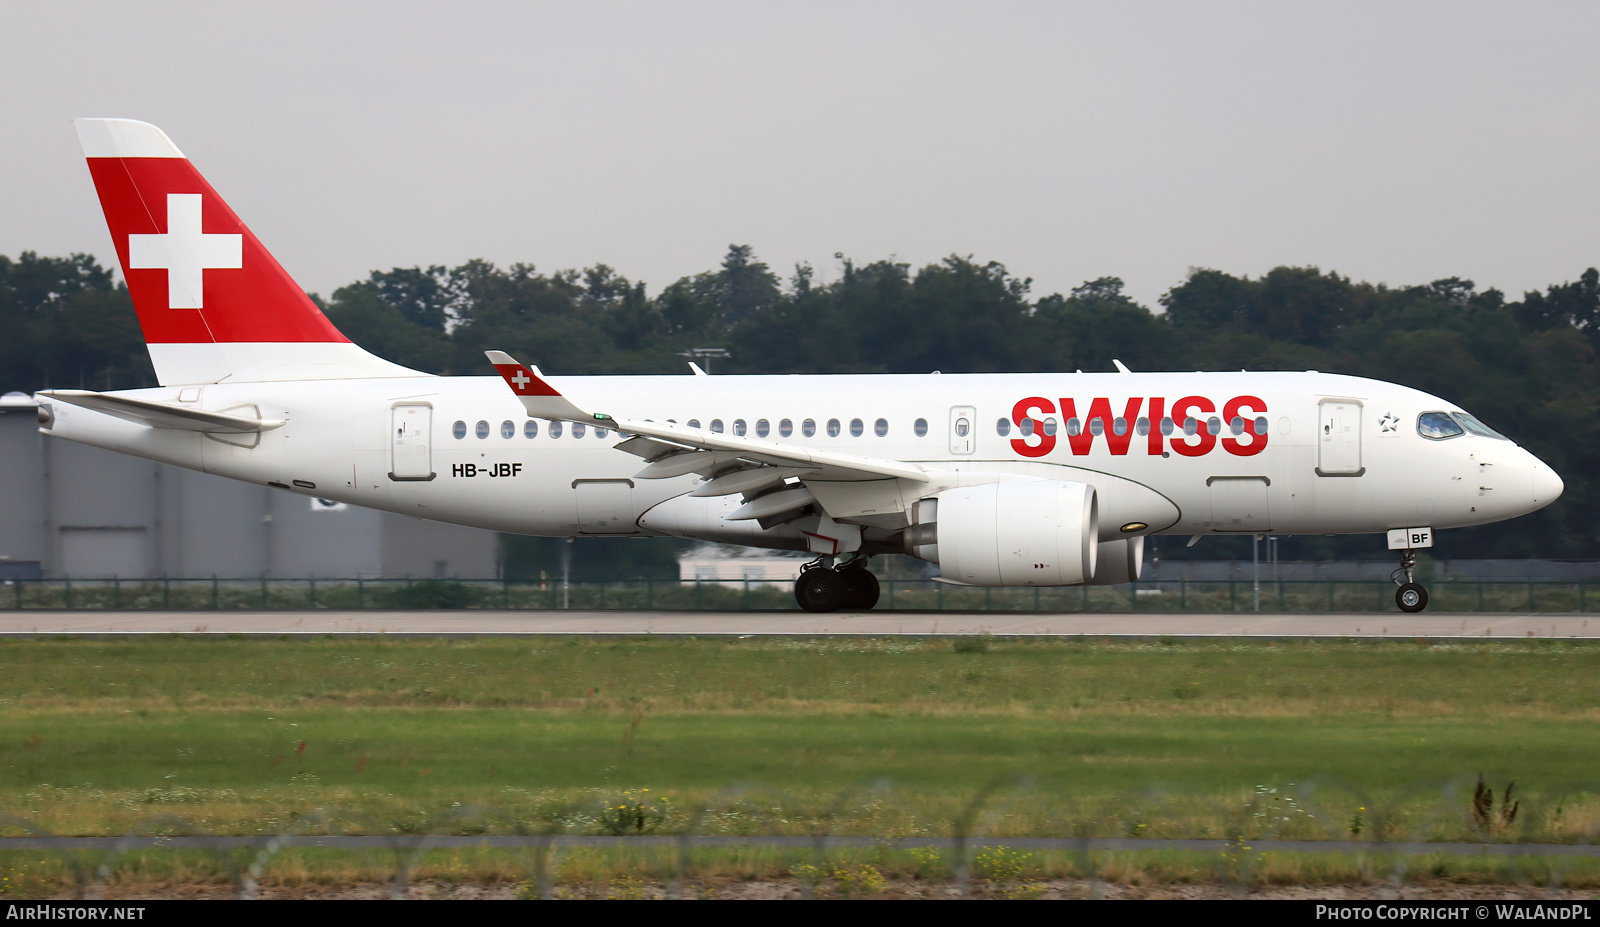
{"points": [[1431, 625]]}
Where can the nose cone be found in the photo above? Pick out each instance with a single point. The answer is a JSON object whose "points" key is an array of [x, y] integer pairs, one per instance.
{"points": [[1547, 486]]}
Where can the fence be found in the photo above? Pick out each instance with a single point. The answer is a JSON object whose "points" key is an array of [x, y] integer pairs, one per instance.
{"points": [[217, 594], [623, 842]]}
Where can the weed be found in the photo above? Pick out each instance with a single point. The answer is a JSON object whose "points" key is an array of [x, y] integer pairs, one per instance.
{"points": [[1000, 864], [808, 875], [634, 813], [859, 881], [930, 863], [627, 888], [973, 643], [1488, 820], [1027, 891]]}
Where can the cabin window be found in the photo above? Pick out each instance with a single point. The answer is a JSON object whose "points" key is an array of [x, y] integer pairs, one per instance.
{"points": [[483, 430], [920, 427], [1166, 425], [1236, 425], [1214, 425], [555, 429], [1261, 424], [856, 428], [1120, 426], [1003, 427], [833, 428], [738, 427], [716, 426], [530, 429], [1026, 427], [785, 428], [600, 432], [459, 429], [763, 428], [694, 423], [1074, 427], [808, 427], [1142, 426], [508, 429], [1437, 425], [881, 427], [578, 429], [1191, 425], [1097, 426]]}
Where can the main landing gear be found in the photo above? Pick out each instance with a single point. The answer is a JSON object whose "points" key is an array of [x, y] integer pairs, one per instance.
{"points": [[823, 587], [1411, 596]]}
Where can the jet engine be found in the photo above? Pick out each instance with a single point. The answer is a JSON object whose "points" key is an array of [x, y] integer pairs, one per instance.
{"points": [[1118, 562], [1015, 533]]}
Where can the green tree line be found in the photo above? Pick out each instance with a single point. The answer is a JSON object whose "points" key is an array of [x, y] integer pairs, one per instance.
{"points": [[1527, 368]]}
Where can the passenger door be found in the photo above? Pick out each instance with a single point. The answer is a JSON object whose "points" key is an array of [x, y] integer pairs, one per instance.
{"points": [[1339, 438], [410, 437]]}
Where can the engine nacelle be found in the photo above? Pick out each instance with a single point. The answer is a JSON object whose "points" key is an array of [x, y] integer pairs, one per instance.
{"points": [[1118, 562], [1015, 533]]}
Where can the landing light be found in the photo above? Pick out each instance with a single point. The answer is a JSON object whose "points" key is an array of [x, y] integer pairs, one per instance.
{"points": [[1133, 526]]}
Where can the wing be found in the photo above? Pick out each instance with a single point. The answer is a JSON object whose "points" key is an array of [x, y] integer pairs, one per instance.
{"points": [[760, 469], [163, 415]]}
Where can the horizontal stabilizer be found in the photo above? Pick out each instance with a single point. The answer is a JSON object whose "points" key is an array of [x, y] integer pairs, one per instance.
{"points": [[163, 415]]}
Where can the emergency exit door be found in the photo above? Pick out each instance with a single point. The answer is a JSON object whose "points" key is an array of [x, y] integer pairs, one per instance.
{"points": [[1339, 438], [963, 428], [410, 437]]}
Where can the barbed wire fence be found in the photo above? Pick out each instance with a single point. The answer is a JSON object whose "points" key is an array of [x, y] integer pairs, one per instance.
{"points": [[1392, 833]]}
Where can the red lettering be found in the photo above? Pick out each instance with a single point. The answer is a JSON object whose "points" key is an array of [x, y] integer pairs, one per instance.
{"points": [[1158, 406], [1258, 442], [1100, 408], [1024, 411], [1181, 411]]}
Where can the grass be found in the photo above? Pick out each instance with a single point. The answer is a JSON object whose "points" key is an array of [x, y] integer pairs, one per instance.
{"points": [[1313, 740], [227, 595]]}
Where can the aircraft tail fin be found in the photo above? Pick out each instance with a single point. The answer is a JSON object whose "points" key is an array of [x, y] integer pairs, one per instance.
{"points": [[214, 305]]}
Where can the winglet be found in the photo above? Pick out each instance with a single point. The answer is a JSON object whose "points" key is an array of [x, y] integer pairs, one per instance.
{"points": [[538, 397]]}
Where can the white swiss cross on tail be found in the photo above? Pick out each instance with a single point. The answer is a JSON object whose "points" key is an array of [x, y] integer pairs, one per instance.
{"points": [[185, 252]]}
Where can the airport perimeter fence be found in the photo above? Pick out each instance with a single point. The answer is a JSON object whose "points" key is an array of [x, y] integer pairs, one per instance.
{"points": [[861, 842], [407, 594]]}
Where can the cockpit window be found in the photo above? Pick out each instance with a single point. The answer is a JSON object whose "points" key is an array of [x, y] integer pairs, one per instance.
{"points": [[1476, 427], [1437, 425]]}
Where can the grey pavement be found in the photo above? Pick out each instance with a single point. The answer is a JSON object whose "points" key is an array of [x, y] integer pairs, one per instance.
{"points": [[1433, 625]]}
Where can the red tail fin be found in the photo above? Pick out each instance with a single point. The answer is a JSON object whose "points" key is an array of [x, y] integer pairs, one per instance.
{"points": [[213, 303]]}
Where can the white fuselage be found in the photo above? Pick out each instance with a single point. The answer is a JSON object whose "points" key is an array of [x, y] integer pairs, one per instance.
{"points": [[1342, 454]]}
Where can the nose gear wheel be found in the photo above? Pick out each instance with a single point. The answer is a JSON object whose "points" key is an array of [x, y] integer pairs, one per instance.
{"points": [[1412, 596]]}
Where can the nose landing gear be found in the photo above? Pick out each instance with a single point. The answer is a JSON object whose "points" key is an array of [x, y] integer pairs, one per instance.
{"points": [[1411, 596], [826, 588]]}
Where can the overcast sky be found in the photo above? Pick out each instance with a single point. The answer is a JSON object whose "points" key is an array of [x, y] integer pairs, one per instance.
{"points": [[1393, 142]]}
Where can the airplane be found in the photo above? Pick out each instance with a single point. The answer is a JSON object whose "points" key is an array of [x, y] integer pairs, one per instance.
{"points": [[1047, 479]]}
